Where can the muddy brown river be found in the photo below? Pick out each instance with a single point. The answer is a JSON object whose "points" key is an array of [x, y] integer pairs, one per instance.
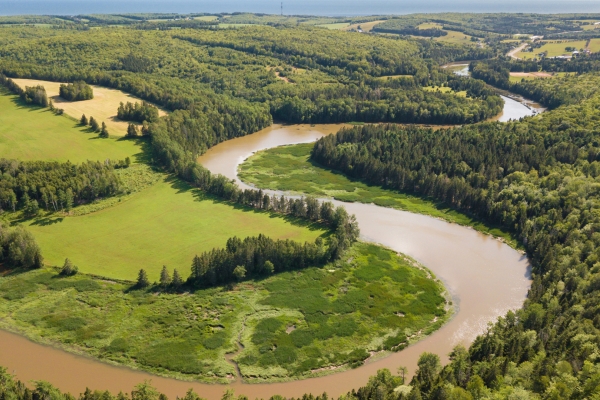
{"points": [[485, 278]]}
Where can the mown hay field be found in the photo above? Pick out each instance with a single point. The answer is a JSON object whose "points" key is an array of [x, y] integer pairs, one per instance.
{"points": [[103, 107]]}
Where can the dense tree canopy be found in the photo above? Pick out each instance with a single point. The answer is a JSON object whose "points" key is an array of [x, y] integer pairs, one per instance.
{"points": [[76, 91], [55, 186], [538, 177]]}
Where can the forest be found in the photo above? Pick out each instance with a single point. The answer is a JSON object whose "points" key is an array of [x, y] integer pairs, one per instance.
{"points": [[232, 70], [537, 177]]}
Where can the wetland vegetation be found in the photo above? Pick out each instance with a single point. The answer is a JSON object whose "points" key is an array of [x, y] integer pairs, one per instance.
{"points": [[292, 324]]}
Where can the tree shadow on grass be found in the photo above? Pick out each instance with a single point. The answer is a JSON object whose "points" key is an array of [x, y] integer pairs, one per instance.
{"points": [[199, 195], [46, 221]]}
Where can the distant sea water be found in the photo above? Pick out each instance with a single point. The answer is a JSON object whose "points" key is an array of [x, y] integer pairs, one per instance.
{"points": [[329, 8]]}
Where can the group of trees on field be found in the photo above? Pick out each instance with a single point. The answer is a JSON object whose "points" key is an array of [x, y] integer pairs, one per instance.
{"points": [[54, 186], [138, 112], [76, 91], [18, 248], [255, 256], [94, 126], [35, 95], [30, 95]]}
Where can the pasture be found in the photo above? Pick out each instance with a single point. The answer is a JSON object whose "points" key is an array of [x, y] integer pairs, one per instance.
{"points": [[290, 169], [554, 48], [337, 25], [103, 107], [31, 133], [165, 224]]}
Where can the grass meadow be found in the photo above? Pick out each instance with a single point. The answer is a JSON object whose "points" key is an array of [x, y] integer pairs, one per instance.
{"points": [[364, 26], [293, 324], [102, 107], [554, 48], [165, 224], [290, 169], [34, 133]]}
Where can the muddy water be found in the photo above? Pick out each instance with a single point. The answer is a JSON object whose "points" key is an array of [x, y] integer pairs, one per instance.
{"points": [[485, 278], [516, 107]]}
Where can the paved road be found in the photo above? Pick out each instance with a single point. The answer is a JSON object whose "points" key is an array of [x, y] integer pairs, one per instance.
{"points": [[515, 51]]}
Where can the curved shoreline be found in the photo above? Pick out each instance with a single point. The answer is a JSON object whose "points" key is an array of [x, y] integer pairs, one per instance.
{"points": [[484, 277]]}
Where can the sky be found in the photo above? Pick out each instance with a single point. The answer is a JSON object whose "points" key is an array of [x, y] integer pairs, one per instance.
{"points": [[296, 7]]}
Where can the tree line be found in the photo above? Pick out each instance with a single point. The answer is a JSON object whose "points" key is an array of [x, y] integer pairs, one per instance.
{"points": [[30, 95], [55, 186], [138, 112]]}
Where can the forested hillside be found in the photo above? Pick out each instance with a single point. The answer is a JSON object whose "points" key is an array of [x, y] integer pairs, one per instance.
{"points": [[538, 177], [329, 75], [554, 92]]}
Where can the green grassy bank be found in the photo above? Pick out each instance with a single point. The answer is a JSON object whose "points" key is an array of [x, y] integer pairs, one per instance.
{"points": [[289, 168]]}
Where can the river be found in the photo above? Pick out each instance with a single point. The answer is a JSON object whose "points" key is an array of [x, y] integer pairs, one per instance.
{"points": [[485, 278], [515, 106]]}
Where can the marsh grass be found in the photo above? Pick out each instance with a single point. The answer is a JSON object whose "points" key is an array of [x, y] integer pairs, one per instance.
{"points": [[340, 313]]}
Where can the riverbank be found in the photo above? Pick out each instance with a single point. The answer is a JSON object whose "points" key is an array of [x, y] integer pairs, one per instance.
{"points": [[290, 170], [372, 301]]}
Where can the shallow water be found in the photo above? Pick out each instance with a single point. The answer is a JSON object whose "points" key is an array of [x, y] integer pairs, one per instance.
{"points": [[485, 278]]}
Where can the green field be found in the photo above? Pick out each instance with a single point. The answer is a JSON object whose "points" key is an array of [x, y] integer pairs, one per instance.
{"points": [[292, 323], [445, 89], [34, 133], [338, 25], [165, 224], [554, 48], [289, 168]]}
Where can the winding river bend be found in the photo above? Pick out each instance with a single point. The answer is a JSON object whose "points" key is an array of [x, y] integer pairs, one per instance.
{"points": [[485, 278]]}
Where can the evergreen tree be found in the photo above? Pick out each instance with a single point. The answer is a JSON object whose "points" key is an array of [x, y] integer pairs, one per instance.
{"points": [[68, 268], [94, 124], [145, 129], [132, 130], [196, 267], [104, 131], [83, 121], [165, 279], [177, 281], [142, 280]]}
